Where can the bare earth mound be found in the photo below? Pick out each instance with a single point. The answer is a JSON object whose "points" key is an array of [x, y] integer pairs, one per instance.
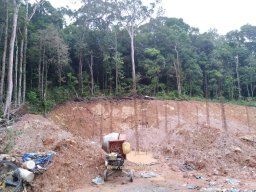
{"points": [[77, 160], [184, 141]]}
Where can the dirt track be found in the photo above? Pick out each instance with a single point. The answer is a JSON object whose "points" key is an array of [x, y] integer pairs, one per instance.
{"points": [[178, 133]]}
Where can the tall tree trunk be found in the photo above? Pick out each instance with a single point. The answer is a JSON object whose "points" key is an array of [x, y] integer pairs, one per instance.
{"points": [[248, 91], [131, 33], [251, 81], [24, 67], [80, 72], [190, 88], [238, 77], [15, 95], [178, 71], [39, 67], [232, 90], [16, 6], [60, 66], [25, 54], [251, 89], [45, 80], [20, 72], [42, 74], [1, 33], [27, 20], [116, 64], [91, 71], [45, 86], [4, 55]]}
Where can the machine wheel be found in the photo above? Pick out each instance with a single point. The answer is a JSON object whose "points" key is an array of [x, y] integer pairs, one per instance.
{"points": [[131, 176], [105, 175]]}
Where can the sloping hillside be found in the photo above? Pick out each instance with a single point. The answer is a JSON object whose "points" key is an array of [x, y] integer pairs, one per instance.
{"points": [[186, 139]]}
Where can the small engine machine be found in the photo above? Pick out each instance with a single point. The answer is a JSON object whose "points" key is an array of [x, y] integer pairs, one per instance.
{"points": [[116, 148]]}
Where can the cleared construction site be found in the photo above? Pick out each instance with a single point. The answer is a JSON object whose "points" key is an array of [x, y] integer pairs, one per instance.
{"points": [[184, 145]]}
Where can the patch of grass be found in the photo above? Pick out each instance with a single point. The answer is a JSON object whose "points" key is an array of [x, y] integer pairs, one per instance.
{"points": [[251, 102]]}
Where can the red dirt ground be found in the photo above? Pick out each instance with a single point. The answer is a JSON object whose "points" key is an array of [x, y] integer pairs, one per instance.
{"points": [[176, 132]]}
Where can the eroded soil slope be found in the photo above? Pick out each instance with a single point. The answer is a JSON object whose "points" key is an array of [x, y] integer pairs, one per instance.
{"points": [[221, 143], [184, 140], [76, 160]]}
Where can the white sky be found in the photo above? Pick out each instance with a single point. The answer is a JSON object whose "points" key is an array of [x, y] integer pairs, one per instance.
{"points": [[224, 15]]}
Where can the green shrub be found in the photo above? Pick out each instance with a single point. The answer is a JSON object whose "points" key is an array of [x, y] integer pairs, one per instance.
{"points": [[32, 97]]}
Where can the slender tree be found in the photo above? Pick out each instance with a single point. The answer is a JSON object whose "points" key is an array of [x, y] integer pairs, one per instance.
{"points": [[91, 63], [238, 77], [177, 68], [27, 21], [131, 15], [4, 54], [16, 6], [21, 71], [15, 95]]}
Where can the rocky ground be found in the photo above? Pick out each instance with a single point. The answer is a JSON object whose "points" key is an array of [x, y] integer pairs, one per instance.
{"points": [[193, 151]]}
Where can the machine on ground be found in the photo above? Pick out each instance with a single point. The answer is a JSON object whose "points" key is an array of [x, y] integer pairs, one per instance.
{"points": [[116, 148]]}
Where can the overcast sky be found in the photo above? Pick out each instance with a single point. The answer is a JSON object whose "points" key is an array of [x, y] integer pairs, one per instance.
{"points": [[224, 15]]}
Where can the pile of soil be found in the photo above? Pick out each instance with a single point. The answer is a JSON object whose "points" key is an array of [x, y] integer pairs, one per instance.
{"points": [[177, 133], [76, 161], [175, 129], [206, 150]]}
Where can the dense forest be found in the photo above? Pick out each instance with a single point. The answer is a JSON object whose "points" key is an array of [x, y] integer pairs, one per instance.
{"points": [[116, 48]]}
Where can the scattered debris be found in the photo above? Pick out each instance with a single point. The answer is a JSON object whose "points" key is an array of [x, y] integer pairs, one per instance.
{"points": [[148, 97], [10, 179], [212, 183], [212, 190], [7, 157], [232, 190], [193, 187], [236, 149], [41, 160], [154, 163], [98, 180], [199, 177], [30, 165], [148, 174], [250, 138], [232, 181], [26, 175], [187, 167]]}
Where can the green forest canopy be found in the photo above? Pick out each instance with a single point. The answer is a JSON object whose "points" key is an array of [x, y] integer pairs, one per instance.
{"points": [[92, 55]]}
